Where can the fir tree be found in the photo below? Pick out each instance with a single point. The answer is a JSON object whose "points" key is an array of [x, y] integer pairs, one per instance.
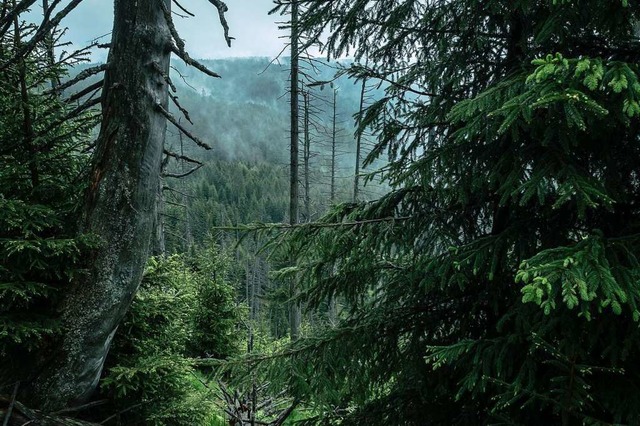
{"points": [[497, 282]]}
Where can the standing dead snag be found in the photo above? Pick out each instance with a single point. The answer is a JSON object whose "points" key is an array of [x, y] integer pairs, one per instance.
{"points": [[119, 206]]}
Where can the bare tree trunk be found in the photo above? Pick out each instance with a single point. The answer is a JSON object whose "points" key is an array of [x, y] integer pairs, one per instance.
{"points": [[159, 242], [307, 155], [356, 179], [294, 310], [333, 149], [119, 204]]}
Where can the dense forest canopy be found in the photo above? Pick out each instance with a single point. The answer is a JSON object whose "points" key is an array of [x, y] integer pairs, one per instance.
{"points": [[487, 275]]}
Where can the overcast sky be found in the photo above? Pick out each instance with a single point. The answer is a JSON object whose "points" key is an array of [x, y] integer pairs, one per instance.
{"points": [[255, 31]]}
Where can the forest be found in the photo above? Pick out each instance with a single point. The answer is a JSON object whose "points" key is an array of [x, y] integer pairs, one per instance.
{"points": [[422, 212]]}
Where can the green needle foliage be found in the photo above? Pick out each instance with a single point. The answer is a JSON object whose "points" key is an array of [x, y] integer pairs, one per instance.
{"points": [[41, 161], [183, 309], [505, 291]]}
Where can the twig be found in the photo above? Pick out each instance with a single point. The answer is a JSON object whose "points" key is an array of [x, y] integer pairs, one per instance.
{"points": [[45, 28], [181, 157], [181, 175]]}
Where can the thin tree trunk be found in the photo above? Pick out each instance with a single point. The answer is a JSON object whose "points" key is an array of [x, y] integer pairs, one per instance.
{"points": [[356, 179], [119, 204], [27, 121], [159, 243], [333, 149], [49, 45], [307, 155], [333, 308], [294, 310]]}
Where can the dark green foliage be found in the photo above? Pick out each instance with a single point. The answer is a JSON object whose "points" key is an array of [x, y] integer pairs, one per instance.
{"points": [[497, 282], [226, 193], [182, 308], [40, 166], [216, 315]]}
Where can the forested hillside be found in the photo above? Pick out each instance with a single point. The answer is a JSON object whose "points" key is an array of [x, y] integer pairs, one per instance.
{"points": [[441, 230]]}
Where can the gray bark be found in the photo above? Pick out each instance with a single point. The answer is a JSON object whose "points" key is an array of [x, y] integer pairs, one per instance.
{"points": [[307, 155], [119, 205], [159, 242], [333, 149], [295, 315], [356, 179]]}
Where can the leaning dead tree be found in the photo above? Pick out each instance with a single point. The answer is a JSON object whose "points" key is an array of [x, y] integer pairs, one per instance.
{"points": [[120, 200]]}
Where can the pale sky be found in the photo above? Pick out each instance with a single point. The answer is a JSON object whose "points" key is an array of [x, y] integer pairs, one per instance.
{"points": [[256, 33]]}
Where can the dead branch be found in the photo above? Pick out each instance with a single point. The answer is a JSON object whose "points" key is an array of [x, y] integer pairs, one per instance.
{"points": [[310, 225], [192, 62], [180, 127], [222, 8], [92, 88], [165, 76], [181, 157], [183, 110], [80, 77], [181, 175], [45, 28]]}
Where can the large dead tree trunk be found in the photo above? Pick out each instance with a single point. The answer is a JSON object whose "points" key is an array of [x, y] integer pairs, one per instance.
{"points": [[120, 202]]}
